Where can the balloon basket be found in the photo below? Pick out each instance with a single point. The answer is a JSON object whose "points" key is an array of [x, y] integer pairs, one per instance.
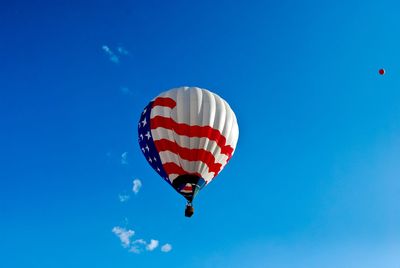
{"points": [[189, 210]]}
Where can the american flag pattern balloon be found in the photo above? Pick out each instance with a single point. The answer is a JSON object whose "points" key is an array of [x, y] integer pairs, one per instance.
{"points": [[188, 135]]}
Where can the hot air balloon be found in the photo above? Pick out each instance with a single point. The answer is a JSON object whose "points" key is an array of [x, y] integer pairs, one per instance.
{"points": [[188, 135]]}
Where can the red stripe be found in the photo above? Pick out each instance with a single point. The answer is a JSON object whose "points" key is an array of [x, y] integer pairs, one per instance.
{"points": [[187, 188], [193, 131], [167, 102], [172, 168], [189, 154]]}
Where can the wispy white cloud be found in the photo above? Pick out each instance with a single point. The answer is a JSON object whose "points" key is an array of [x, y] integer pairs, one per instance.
{"points": [[121, 50], [123, 197], [106, 49], [111, 55], [124, 235], [137, 184], [115, 56], [166, 248], [135, 249], [152, 245], [124, 157], [139, 245]]}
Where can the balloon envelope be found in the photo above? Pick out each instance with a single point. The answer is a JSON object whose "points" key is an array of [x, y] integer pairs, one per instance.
{"points": [[188, 135]]}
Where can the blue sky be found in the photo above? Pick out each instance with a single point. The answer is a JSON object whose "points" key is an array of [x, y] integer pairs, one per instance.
{"points": [[314, 181]]}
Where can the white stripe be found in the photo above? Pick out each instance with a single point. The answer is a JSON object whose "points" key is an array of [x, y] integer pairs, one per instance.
{"points": [[160, 111], [186, 192], [172, 177]]}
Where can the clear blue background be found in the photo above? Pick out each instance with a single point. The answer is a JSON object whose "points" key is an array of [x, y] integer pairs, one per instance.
{"points": [[314, 181]]}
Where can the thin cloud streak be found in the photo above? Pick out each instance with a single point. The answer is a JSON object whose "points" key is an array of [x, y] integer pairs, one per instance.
{"points": [[111, 55], [114, 56]]}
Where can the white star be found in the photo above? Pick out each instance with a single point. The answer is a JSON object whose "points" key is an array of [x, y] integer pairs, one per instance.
{"points": [[151, 161], [148, 135], [147, 148], [139, 124], [141, 136], [143, 150], [144, 111], [155, 159], [144, 122]]}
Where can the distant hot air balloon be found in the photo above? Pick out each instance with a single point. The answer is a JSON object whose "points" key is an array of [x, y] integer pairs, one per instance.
{"points": [[382, 71], [188, 135]]}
